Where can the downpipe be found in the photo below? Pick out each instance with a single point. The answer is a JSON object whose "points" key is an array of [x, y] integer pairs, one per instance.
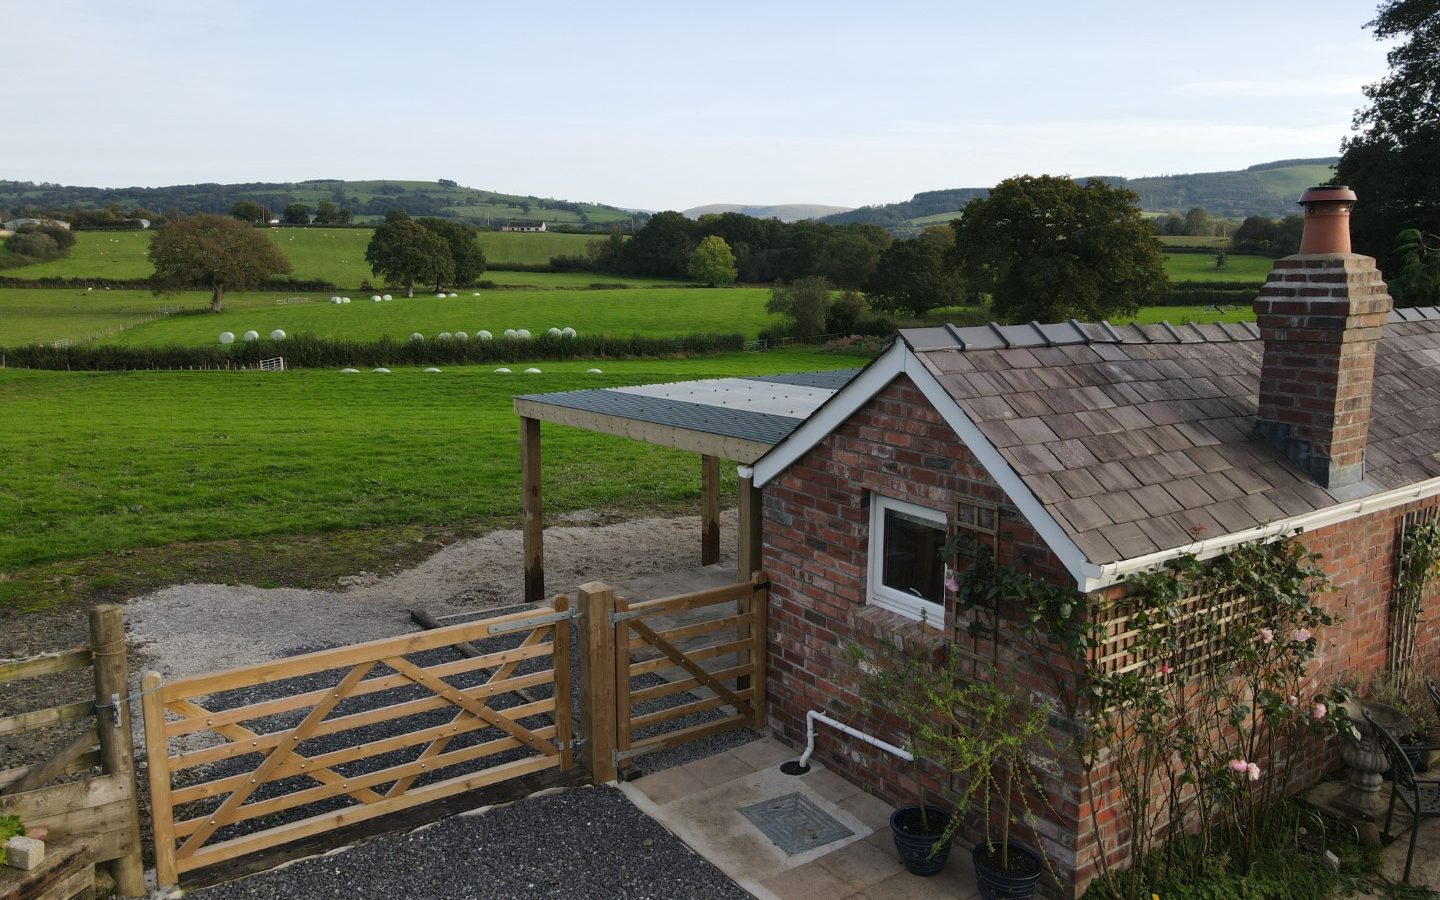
{"points": [[802, 765]]}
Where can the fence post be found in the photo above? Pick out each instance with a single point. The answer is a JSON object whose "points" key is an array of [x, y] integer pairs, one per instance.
{"points": [[597, 680], [117, 753]]}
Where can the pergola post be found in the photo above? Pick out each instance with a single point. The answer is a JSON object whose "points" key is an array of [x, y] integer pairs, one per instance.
{"points": [[532, 513], [748, 503], [709, 509]]}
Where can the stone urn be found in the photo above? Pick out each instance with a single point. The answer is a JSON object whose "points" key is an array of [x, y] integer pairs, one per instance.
{"points": [[1365, 758]]}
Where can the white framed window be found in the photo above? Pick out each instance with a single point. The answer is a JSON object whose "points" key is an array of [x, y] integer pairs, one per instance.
{"points": [[906, 573]]}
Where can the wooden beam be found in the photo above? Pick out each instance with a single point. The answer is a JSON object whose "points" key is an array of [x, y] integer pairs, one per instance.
{"points": [[748, 501], [719, 445], [597, 680], [117, 752], [532, 512], [709, 509]]}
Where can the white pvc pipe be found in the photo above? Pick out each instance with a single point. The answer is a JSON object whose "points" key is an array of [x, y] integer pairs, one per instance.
{"points": [[815, 715]]}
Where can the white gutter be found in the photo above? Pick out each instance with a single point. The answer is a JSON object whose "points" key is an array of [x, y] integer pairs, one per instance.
{"points": [[1110, 573], [815, 715]]}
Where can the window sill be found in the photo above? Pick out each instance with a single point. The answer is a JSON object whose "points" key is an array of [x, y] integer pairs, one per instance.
{"points": [[882, 624]]}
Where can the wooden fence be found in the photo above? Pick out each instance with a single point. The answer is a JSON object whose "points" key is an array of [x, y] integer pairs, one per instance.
{"points": [[270, 770], [103, 806]]}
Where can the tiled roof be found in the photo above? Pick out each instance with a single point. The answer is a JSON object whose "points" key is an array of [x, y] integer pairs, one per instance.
{"points": [[1139, 439]]}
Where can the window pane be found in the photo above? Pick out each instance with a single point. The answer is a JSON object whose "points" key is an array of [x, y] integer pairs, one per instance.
{"points": [[912, 556]]}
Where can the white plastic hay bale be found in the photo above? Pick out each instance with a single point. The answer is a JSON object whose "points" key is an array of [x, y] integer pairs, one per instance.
{"points": [[227, 337], [532, 371], [593, 372], [502, 371], [386, 297], [523, 334], [441, 295], [443, 336], [553, 332], [454, 295], [484, 335], [476, 294], [417, 336], [335, 300], [567, 332], [251, 336], [344, 299], [277, 335], [510, 334], [349, 371], [376, 298], [432, 371], [461, 336], [381, 371]]}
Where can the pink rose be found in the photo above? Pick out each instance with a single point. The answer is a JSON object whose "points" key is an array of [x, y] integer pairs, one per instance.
{"points": [[1239, 766], [951, 584], [1253, 771], [1319, 711], [1165, 669], [1267, 635], [1302, 635]]}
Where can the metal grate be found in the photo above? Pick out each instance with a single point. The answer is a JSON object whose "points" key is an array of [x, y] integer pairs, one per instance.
{"points": [[795, 823]]}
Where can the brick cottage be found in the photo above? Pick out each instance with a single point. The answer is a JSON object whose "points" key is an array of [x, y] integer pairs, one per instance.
{"points": [[1088, 452]]}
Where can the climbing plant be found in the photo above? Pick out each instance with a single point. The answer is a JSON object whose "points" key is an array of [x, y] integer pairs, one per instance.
{"points": [[1416, 566]]}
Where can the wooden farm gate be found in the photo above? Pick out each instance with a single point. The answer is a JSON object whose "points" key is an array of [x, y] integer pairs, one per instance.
{"points": [[98, 810], [233, 778], [711, 644]]}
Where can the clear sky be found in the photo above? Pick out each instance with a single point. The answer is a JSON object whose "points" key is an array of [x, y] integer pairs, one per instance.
{"points": [[675, 104]]}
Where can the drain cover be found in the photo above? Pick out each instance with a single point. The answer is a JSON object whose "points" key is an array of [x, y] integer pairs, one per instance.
{"points": [[795, 823]]}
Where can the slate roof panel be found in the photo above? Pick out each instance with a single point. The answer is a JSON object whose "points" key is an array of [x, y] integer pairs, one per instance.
{"points": [[1140, 437]]}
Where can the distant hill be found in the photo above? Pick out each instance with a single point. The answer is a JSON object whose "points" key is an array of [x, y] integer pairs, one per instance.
{"points": [[1267, 189], [785, 212], [368, 200]]}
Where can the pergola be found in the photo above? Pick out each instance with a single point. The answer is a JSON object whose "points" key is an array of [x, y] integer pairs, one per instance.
{"points": [[735, 419]]}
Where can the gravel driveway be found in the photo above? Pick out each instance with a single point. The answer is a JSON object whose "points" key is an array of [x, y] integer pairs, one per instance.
{"points": [[585, 842]]}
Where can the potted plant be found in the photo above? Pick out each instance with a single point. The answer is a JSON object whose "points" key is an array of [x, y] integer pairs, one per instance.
{"points": [[987, 735], [898, 678]]}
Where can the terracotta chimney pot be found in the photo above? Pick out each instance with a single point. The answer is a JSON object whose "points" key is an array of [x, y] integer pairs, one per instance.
{"points": [[1327, 219]]}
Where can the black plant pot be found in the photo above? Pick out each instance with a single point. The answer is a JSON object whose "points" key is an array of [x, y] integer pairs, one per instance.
{"points": [[1017, 882], [915, 843]]}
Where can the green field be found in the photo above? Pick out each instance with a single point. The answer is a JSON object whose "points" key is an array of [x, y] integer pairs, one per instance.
{"points": [[1200, 315], [99, 462], [336, 255], [1291, 181], [1185, 240], [1201, 267]]}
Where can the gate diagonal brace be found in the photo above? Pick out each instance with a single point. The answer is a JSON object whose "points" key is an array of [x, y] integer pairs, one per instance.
{"points": [[273, 761], [437, 746], [418, 675], [680, 659], [239, 734]]}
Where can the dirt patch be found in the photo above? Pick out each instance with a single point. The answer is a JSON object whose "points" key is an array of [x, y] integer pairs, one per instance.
{"points": [[193, 628]]}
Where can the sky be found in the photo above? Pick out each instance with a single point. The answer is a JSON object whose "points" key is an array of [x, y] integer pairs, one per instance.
{"points": [[673, 105]]}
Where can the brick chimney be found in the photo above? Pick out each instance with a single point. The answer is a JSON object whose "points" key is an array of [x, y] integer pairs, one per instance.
{"points": [[1320, 315]]}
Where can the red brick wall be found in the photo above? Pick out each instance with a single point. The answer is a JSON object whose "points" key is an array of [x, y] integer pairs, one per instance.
{"points": [[816, 542]]}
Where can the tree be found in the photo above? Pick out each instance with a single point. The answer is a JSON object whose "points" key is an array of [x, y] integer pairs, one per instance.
{"points": [[914, 277], [1415, 279], [217, 252], [467, 259], [663, 246], [249, 211], [404, 251], [805, 303], [1048, 249], [326, 213], [1392, 157], [712, 262], [296, 214], [1197, 222]]}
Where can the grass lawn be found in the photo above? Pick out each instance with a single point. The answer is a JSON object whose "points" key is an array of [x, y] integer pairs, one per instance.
{"points": [[654, 312], [336, 255], [1201, 267], [40, 315], [1184, 240], [1175, 315], [102, 462]]}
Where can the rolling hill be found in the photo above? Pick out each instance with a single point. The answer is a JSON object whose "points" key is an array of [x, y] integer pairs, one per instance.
{"points": [[785, 212], [369, 200], [1267, 189]]}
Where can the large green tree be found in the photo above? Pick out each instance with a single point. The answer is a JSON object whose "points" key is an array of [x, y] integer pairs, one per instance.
{"points": [[1393, 158], [404, 251], [712, 262], [216, 252], [913, 276], [296, 214], [1048, 248], [467, 259], [806, 303], [249, 211]]}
